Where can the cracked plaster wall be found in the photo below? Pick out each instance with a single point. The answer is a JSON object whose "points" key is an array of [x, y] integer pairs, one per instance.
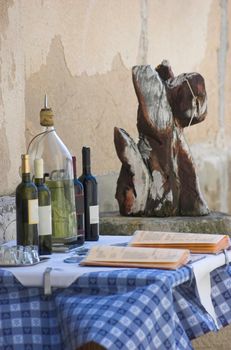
{"points": [[80, 52]]}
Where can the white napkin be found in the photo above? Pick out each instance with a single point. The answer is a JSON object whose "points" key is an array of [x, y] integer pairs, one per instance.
{"points": [[202, 270]]}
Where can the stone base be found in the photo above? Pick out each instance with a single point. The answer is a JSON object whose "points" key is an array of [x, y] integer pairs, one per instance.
{"points": [[112, 223], [7, 218], [214, 340]]}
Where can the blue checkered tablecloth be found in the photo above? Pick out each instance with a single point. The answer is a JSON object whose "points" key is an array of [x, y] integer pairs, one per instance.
{"points": [[125, 309]]}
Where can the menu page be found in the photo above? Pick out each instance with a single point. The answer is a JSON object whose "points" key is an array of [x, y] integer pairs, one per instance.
{"points": [[156, 237], [133, 254]]}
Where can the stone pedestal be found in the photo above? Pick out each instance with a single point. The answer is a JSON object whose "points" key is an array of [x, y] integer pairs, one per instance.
{"points": [[112, 223], [7, 218]]}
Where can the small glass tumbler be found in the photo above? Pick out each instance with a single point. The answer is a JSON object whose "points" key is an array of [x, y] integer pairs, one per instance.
{"points": [[9, 257], [35, 253], [18, 254], [27, 258]]}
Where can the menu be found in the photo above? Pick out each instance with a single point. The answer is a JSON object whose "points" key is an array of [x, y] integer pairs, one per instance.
{"points": [[195, 242], [136, 257]]}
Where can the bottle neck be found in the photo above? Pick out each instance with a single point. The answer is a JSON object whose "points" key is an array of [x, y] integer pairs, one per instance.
{"points": [[38, 181], [86, 156], [74, 167], [49, 128], [25, 168], [26, 177], [87, 169]]}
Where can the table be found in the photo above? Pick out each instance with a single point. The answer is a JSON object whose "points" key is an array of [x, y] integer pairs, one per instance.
{"points": [[118, 309]]}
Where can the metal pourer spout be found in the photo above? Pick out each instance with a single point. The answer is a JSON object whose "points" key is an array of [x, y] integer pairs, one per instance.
{"points": [[45, 102]]}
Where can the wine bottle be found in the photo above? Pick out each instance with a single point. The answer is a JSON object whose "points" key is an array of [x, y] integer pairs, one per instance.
{"points": [[79, 205], [91, 206], [26, 207], [44, 210], [58, 174]]}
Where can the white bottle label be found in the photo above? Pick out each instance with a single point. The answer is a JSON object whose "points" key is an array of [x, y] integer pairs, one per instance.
{"points": [[44, 226], [33, 211], [94, 214]]}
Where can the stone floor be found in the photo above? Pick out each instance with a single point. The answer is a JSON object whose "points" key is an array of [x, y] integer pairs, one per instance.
{"points": [[214, 341]]}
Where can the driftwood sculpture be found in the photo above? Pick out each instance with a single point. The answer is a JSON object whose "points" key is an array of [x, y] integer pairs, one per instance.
{"points": [[157, 176]]}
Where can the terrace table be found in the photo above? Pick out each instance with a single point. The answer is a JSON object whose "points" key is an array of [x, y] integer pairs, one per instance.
{"points": [[126, 309]]}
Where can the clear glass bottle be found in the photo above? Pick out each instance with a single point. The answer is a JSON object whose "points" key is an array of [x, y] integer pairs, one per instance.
{"points": [[58, 174]]}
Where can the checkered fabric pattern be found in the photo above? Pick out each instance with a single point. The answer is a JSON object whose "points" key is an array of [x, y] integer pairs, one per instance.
{"points": [[136, 314], [28, 319], [124, 309]]}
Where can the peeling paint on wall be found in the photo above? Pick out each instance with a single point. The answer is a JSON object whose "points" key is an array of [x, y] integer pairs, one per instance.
{"points": [[4, 150], [4, 22], [5, 162], [11, 96], [4, 19], [143, 44], [86, 107], [81, 54], [222, 62]]}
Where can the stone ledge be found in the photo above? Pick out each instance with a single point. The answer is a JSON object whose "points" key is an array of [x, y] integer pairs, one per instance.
{"points": [[7, 218], [112, 223]]}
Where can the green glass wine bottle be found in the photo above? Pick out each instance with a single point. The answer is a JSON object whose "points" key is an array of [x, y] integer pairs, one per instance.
{"points": [[44, 210], [26, 207]]}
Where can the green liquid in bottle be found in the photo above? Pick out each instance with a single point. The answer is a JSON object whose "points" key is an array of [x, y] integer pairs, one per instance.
{"points": [[63, 211]]}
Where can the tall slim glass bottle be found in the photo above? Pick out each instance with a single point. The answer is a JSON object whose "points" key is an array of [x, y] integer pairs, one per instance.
{"points": [[59, 178], [91, 205], [26, 207], [79, 205], [44, 210]]}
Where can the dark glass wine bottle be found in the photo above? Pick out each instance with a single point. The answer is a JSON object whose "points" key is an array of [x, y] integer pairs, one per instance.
{"points": [[91, 206], [79, 204], [44, 210], [26, 207]]}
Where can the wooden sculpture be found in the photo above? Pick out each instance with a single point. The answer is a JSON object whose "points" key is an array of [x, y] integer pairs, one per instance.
{"points": [[157, 176]]}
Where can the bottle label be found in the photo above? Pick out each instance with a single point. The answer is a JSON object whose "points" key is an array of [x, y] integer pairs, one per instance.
{"points": [[94, 214], [33, 211], [44, 226]]}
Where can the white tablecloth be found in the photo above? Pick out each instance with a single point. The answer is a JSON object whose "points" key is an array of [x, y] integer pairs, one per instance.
{"points": [[202, 269], [62, 274]]}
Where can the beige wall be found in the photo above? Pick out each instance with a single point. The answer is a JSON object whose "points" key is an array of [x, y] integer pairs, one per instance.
{"points": [[80, 52]]}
